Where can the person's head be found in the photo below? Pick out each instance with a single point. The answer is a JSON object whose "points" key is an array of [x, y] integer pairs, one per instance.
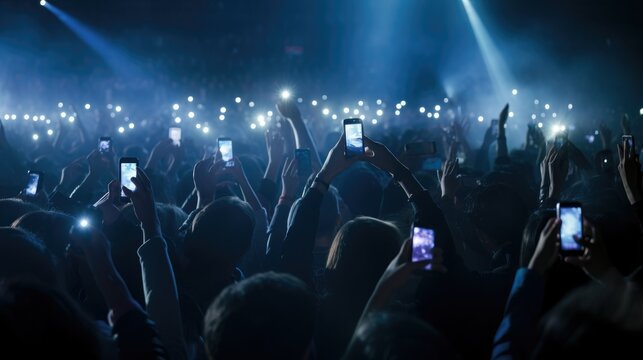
{"points": [[267, 316], [49, 226], [595, 322], [361, 191], [361, 251], [37, 322], [23, 256], [11, 209], [329, 214], [498, 214], [386, 336], [220, 234]]}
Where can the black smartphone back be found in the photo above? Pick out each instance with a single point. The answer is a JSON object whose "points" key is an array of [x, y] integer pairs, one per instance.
{"points": [[571, 228], [304, 165], [127, 170], [354, 131]]}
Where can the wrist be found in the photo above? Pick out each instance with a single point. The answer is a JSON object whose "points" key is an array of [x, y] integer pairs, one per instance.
{"points": [[325, 176], [151, 230]]}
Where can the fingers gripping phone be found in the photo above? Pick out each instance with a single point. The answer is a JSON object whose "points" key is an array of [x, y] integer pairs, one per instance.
{"points": [[571, 228], [304, 165], [175, 135], [225, 148], [127, 170], [423, 244], [354, 131], [105, 144], [34, 183]]}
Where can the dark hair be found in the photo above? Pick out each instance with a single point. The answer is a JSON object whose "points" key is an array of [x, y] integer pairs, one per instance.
{"points": [[23, 256], [595, 322], [361, 191], [37, 322], [361, 251], [267, 316], [221, 233], [51, 227], [11, 209], [384, 336]]}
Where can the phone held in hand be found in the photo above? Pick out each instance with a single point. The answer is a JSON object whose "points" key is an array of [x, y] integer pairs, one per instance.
{"points": [[127, 171], [304, 165], [571, 228], [105, 144], [424, 148], [225, 148], [423, 244], [354, 131], [175, 135], [34, 183]]}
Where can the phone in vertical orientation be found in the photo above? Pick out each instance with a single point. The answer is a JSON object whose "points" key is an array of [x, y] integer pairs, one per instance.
{"points": [[560, 140], [225, 148], [304, 165], [175, 135], [354, 131], [105, 144], [629, 139], [423, 244], [127, 171], [571, 217], [34, 183]]}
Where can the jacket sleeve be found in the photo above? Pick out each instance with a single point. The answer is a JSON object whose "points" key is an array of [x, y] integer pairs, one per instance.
{"points": [[297, 254], [161, 295], [253, 261], [136, 338], [267, 194], [276, 235], [515, 335]]}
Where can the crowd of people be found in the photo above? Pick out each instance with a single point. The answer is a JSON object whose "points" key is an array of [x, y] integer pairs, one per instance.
{"points": [[256, 258]]}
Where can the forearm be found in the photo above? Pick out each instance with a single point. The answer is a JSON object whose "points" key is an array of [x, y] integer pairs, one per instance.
{"points": [[250, 195], [277, 234], [502, 151], [305, 141]]}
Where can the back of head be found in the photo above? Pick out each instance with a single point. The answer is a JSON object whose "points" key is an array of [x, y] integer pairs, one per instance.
{"points": [[361, 191], [23, 256], [361, 251], [221, 233], [267, 316], [396, 336], [49, 226], [595, 322], [38, 322], [11, 209]]}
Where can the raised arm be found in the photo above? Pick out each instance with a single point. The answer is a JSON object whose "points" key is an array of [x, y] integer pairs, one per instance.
{"points": [[503, 152], [303, 139]]}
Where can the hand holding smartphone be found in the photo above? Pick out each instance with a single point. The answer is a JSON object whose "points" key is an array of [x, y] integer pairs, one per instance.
{"points": [[127, 170], [354, 131], [423, 244], [225, 148], [34, 183], [571, 228]]}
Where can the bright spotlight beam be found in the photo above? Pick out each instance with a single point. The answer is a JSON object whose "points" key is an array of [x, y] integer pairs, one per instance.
{"points": [[494, 63]]}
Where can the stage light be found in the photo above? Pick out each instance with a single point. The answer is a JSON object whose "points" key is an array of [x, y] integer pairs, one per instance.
{"points": [[237, 100], [436, 115], [63, 114], [118, 108], [198, 126], [206, 129], [253, 126], [88, 106], [35, 137], [554, 115], [397, 112], [334, 117], [536, 101], [403, 103], [43, 3], [514, 92], [42, 117], [175, 106], [571, 106], [177, 120], [360, 103], [533, 116], [121, 129], [83, 223], [326, 111], [640, 111], [262, 123], [540, 125], [346, 110], [130, 125], [14, 116], [191, 114], [398, 106], [542, 115], [429, 114], [563, 128], [363, 117], [269, 113], [251, 104], [190, 99], [313, 103], [300, 100], [7, 116], [50, 132], [446, 100], [555, 128], [379, 102], [355, 112], [374, 121], [35, 118], [511, 114], [261, 118], [71, 119], [379, 112], [480, 118], [547, 106], [26, 117], [60, 105], [223, 110], [221, 117], [422, 109], [285, 94], [113, 114], [47, 121], [324, 97], [437, 107]]}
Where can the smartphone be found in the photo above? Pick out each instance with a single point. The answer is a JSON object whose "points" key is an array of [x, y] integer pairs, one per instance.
{"points": [[304, 165], [354, 131], [494, 127], [105, 144], [571, 216], [630, 142], [34, 183], [127, 169], [423, 243], [175, 135], [423, 148], [560, 140], [225, 148]]}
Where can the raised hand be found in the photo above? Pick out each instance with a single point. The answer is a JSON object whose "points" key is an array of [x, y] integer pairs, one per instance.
{"points": [[336, 162], [629, 169], [205, 179], [449, 179], [288, 109], [101, 165], [548, 247], [290, 180], [594, 261], [502, 120], [275, 145], [162, 151], [379, 155], [72, 175], [142, 198]]}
